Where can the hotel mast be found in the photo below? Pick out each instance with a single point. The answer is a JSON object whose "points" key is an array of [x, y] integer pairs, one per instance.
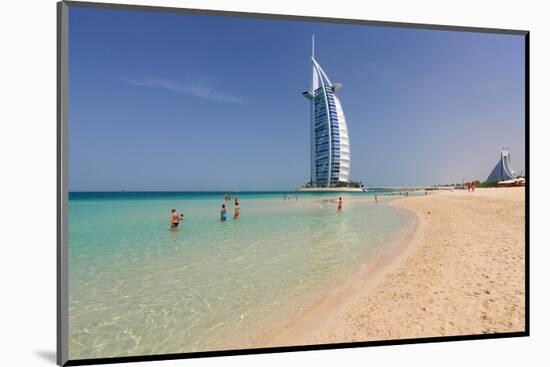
{"points": [[330, 154]]}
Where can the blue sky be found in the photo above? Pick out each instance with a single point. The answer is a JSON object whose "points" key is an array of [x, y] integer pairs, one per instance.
{"points": [[161, 101]]}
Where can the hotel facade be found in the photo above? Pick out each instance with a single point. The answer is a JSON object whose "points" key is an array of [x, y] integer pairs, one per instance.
{"points": [[329, 138]]}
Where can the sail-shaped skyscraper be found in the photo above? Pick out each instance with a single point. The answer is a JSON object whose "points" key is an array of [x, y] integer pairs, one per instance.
{"points": [[503, 170], [330, 149]]}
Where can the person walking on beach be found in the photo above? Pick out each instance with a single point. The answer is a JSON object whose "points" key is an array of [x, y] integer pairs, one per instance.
{"points": [[237, 210], [174, 219], [375, 198], [223, 213], [340, 204]]}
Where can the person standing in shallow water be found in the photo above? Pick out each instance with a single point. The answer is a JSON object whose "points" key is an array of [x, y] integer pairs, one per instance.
{"points": [[340, 204], [223, 213], [237, 210], [174, 219]]}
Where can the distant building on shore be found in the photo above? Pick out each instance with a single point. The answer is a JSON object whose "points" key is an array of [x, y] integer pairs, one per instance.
{"points": [[330, 149], [503, 170]]}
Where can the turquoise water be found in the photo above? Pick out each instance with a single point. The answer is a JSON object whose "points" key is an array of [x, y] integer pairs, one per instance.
{"points": [[136, 287]]}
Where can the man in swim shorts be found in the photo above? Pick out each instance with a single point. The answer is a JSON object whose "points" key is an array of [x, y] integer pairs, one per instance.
{"points": [[175, 219]]}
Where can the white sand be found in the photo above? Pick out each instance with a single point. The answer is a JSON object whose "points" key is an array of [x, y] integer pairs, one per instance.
{"points": [[462, 272]]}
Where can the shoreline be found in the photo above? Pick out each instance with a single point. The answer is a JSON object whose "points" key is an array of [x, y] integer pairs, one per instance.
{"points": [[441, 276], [385, 257]]}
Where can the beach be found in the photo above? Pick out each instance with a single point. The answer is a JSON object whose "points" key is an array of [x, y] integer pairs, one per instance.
{"points": [[291, 272], [458, 269]]}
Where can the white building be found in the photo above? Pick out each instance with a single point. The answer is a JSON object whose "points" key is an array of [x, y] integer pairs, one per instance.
{"points": [[330, 149]]}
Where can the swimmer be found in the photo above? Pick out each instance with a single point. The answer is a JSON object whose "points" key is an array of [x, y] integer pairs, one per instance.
{"points": [[237, 211], [340, 204], [223, 213], [174, 219]]}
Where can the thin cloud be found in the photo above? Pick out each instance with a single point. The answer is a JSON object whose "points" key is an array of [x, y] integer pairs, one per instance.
{"points": [[200, 90]]}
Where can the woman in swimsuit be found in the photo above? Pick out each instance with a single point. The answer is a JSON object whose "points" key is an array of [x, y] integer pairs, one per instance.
{"points": [[237, 210], [339, 204]]}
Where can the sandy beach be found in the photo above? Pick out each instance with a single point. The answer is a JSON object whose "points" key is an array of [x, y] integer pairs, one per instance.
{"points": [[458, 269]]}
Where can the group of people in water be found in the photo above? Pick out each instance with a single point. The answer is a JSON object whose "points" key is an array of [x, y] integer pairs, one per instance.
{"points": [[176, 218], [236, 209], [287, 197]]}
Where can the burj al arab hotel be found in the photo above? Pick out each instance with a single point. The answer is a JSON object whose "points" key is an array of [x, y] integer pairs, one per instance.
{"points": [[329, 144]]}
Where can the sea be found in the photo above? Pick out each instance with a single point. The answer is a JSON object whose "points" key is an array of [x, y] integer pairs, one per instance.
{"points": [[137, 287]]}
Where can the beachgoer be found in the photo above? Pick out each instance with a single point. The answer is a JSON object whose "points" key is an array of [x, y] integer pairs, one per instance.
{"points": [[174, 219], [473, 186], [223, 213], [339, 204], [236, 200], [237, 211], [375, 198]]}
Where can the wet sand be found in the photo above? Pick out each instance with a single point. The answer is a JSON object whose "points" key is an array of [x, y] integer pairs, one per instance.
{"points": [[458, 270]]}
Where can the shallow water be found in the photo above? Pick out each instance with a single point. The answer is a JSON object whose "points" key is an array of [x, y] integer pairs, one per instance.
{"points": [[136, 287]]}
